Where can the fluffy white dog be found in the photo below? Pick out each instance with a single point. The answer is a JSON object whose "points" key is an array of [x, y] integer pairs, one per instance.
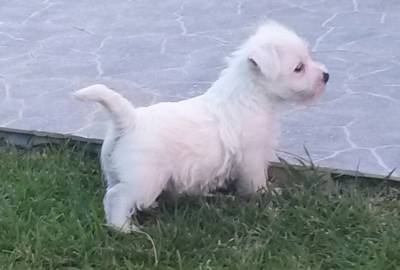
{"points": [[199, 144]]}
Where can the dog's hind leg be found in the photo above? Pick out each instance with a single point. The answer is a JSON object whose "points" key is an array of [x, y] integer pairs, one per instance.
{"points": [[119, 206], [124, 198], [107, 149]]}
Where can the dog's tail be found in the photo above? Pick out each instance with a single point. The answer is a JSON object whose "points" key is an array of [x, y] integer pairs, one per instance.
{"points": [[121, 110]]}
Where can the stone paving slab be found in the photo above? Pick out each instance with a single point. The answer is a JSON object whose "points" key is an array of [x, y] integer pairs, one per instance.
{"points": [[154, 51]]}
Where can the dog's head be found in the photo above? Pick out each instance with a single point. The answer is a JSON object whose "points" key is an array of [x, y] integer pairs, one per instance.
{"points": [[281, 63]]}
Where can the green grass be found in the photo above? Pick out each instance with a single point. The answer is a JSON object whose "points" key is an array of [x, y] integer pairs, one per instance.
{"points": [[51, 217]]}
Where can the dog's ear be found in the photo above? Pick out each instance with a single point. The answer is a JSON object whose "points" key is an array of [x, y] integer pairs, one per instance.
{"points": [[266, 60]]}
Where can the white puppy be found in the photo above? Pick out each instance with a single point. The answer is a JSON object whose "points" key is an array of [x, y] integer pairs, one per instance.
{"points": [[196, 145]]}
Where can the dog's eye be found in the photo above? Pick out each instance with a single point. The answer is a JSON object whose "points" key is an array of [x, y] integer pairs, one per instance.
{"points": [[299, 68]]}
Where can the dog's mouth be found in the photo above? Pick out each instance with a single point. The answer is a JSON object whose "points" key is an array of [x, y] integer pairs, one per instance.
{"points": [[307, 96]]}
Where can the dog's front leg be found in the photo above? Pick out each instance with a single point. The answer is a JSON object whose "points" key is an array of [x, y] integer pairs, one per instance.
{"points": [[252, 175]]}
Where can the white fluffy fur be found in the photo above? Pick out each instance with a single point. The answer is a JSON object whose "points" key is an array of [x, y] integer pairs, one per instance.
{"points": [[196, 145]]}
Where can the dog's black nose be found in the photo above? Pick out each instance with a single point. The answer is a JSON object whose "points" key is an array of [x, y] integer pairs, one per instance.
{"points": [[325, 77]]}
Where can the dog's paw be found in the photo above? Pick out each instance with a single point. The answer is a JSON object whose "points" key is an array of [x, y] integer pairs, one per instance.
{"points": [[127, 228], [277, 191], [274, 191], [154, 205]]}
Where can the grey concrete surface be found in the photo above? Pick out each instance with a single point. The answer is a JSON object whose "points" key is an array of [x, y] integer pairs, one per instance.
{"points": [[154, 51]]}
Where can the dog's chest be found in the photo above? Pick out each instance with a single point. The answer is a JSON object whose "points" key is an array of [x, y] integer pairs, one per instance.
{"points": [[258, 130]]}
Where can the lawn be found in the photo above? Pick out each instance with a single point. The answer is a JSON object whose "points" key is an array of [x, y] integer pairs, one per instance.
{"points": [[51, 217]]}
